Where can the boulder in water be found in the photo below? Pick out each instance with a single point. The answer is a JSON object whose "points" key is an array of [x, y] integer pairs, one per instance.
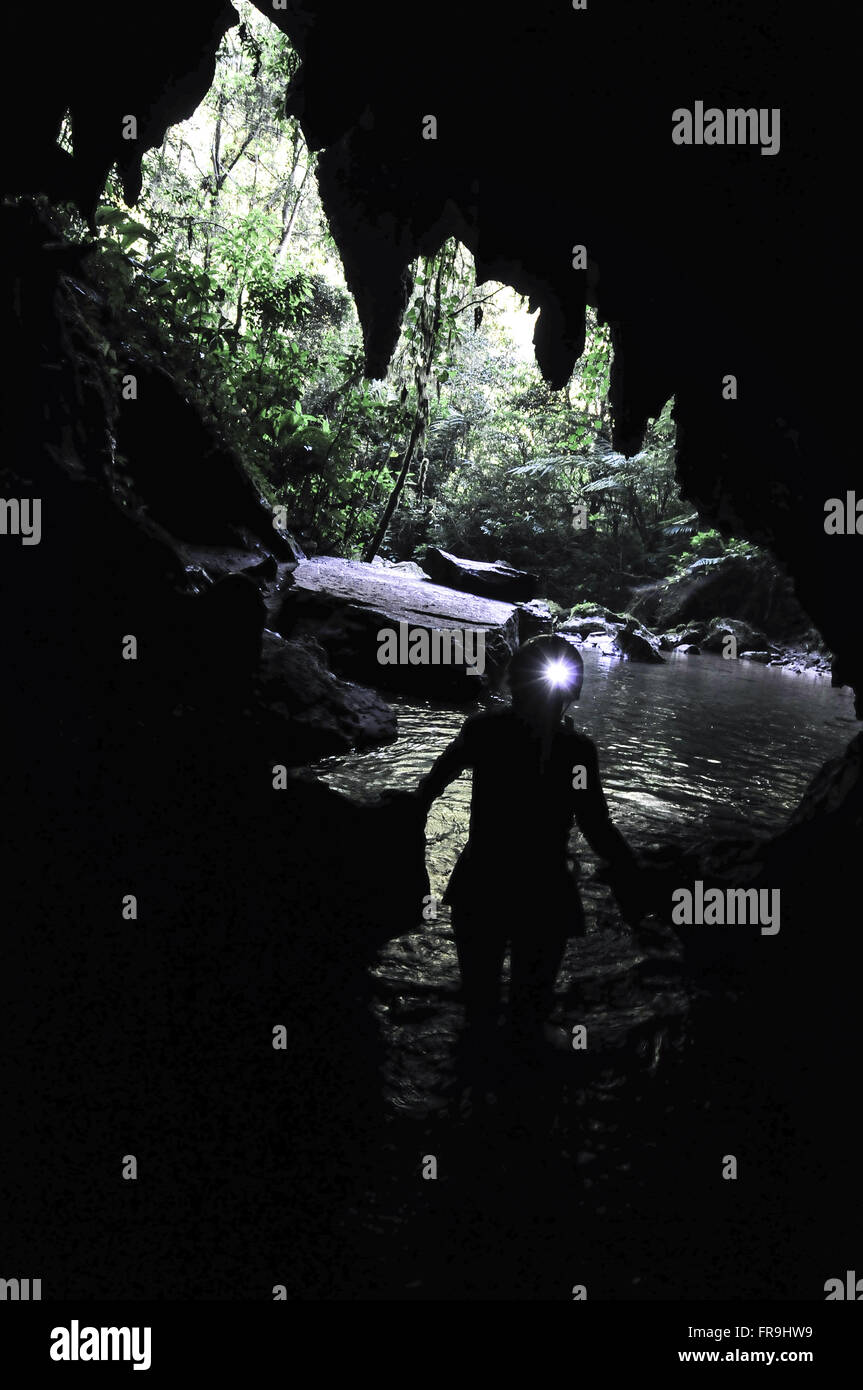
{"points": [[614, 639], [637, 644]]}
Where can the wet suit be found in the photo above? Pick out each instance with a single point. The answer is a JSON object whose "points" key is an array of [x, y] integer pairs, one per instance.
{"points": [[512, 885]]}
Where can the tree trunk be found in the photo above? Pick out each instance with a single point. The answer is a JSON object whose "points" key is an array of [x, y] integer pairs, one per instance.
{"points": [[374, 544], [238, 320], [288, 225], [423, 370]]}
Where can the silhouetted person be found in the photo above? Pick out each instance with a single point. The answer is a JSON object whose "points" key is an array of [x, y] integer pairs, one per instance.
{"points": [[512, 886]]}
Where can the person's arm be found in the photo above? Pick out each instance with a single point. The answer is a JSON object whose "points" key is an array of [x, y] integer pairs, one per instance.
{"points": [[592, 814], [453, 760], [594, 821]]}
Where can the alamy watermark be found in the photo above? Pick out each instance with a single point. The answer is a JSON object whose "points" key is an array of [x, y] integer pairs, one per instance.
{"points": [[76, 1343], [851, 1288], [735, 126], [719, 907], [423, 646], [844, 515], [20, 1290], [21, 516]]}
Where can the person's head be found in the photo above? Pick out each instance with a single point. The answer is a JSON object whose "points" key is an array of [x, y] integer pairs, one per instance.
{"points": [[544, 676]]}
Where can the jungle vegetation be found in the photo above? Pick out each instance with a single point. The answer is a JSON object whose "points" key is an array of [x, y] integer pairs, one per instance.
{"points": [[226, 274]]}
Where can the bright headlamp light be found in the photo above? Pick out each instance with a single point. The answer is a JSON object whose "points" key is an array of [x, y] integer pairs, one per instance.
{"points": [[560, 674]]}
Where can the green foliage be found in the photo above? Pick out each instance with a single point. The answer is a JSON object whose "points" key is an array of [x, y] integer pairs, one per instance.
{"points": [[226, 274], [707, 548]]}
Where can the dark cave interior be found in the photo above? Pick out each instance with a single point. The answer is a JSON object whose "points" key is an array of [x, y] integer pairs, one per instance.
{"points": [[259, 905]]}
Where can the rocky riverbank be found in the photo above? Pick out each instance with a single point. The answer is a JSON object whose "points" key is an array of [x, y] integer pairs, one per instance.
{"points": [[622, 635]]}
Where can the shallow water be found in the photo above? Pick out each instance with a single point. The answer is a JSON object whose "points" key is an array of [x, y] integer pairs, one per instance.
{"points": [[697, 746]]}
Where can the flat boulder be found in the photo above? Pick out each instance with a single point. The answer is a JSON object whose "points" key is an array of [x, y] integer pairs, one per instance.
{"points": [[487, 578], [436, 634]]}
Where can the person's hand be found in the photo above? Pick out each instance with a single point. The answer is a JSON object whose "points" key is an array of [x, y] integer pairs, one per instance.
{"points": [[628, 889]]}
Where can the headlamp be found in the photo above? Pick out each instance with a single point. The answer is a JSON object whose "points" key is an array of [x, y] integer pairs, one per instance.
{"points": [[560, 674]]}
